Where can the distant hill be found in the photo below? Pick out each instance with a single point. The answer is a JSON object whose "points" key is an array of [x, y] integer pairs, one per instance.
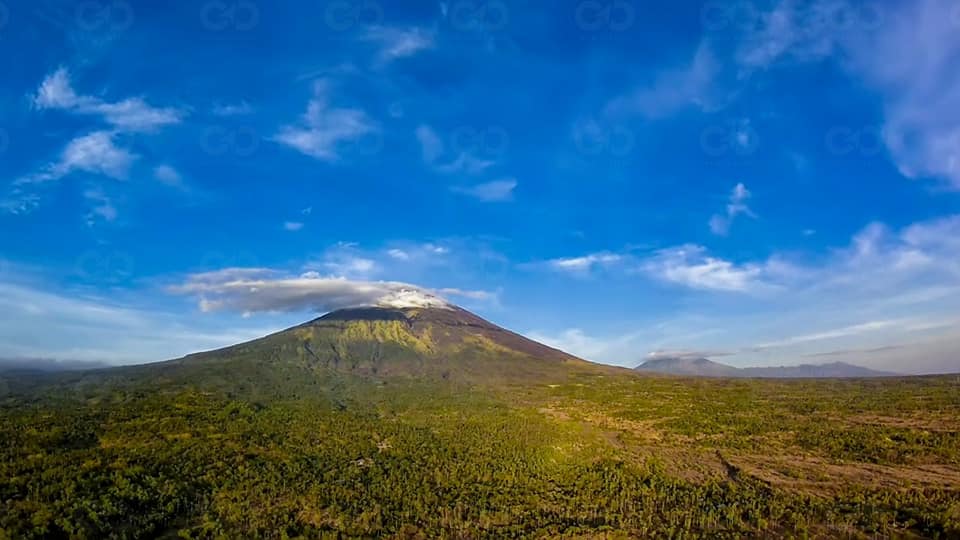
{"points": [[702, 367]]}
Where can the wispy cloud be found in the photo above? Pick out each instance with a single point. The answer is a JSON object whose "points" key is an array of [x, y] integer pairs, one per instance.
{"points": [[396, 43], [97, 152], [585, 264], [102, 208], [167, 175], [691, 266], [685, 354], [324, 129], [254, 290], [444, 160], [495, 191], [131, 114], [907, 56], [913, 63], [904, 52], [293, 226], [94, 153], [736, 205], [691, 85]]}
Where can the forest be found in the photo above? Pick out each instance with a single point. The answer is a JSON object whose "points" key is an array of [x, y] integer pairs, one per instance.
{"points": [[314, 454]]}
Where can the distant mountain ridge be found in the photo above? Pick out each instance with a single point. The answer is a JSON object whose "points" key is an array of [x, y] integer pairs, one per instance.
{"points": [[702, 367], [46, 365]]}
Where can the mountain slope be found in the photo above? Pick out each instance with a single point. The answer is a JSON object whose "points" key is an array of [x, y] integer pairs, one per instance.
{"points": [[702, 367], [344, 347], [444, 342]]}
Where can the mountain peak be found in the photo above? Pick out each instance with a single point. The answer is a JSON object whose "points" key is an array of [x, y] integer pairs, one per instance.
{"points": [[412, 298]]}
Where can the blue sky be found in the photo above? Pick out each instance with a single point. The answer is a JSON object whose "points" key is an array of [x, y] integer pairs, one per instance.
{"points": [[770, 182]]}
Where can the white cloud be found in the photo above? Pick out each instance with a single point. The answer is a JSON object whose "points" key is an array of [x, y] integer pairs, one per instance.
{"points": [[253, 290], [293, 226], [431, 146], [912, 63], [690, 266], [131, 114], [495, 191], [94, 153], [433, 150], [584, 264], [417, 253], [736, 205], [396, 43], [324, 129], [97, 152], [905, 52], [690, 85], [168, 175], [846, 331], [346, 260], [103, 208], [684, 354], [19, 202]]}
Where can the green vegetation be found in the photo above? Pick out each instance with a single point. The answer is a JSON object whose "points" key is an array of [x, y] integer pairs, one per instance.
{"points": [[270, 440]]}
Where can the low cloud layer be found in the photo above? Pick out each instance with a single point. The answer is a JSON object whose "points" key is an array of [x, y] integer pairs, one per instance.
{"points": [[258, 290]]}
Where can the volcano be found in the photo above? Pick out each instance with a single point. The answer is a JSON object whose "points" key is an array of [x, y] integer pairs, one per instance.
{"points": [[439, 342], [446, 342]]}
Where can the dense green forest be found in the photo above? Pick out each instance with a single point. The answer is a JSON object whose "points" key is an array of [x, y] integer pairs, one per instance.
{"points": [[608, 456]]}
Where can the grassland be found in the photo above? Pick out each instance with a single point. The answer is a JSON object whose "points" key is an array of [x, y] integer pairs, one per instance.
{"points": [[316, 453]]}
